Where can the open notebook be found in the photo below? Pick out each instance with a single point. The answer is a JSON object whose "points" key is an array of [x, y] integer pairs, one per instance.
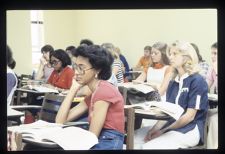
{"points": [[174, 110], [66, 136], [40, 89], [145, 88]]}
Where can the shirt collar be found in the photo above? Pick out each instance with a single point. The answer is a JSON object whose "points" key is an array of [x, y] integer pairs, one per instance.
{"points": [[182, 77]]}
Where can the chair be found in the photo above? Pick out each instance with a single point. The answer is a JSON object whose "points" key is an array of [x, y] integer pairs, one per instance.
{"points": [[129, 128], [123, 92], [18, 94], [50, 107]]}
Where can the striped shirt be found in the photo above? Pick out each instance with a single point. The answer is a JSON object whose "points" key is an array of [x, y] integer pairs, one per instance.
{"points": [[119, 74]]}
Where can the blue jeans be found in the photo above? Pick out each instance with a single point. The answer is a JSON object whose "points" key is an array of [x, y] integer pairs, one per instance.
{"points": [[109, 140]]}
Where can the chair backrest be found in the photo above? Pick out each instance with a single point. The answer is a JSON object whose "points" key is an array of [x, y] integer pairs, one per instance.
{"points": [[123, 92], [50, 106], [129, 127]]}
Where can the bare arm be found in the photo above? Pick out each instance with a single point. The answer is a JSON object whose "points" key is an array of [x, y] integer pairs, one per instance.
{"points": [[65, 113], [167, 77], [40, 72], [98, 117], [184, 119], [141, 78]]}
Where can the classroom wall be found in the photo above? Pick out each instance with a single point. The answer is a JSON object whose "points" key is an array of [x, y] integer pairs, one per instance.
{"points": [[130, 30], [19, 39]]}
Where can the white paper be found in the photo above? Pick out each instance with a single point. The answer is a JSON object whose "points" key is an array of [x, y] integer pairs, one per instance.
{"points": [[174, 110], [69, 138], [139, 87]]}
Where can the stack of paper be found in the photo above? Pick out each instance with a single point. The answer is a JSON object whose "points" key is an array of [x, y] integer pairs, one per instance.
{"points": [[67, 137]]}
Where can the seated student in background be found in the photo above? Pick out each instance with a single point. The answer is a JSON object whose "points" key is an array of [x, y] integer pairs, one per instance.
{"points": [[105, 104], [189, 90], [117, 69], [145, 61], [11, 76], [86, 42], [125, 64], [203, 65], [61, 77], [69, 50], [45, 69], [159, 73], [212, 80]]}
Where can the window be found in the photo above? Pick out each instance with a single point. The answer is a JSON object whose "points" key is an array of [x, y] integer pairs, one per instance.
{"points": [[37, 36]]}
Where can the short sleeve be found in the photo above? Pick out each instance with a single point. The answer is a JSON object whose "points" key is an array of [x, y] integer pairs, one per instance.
{"points": [[198, 94], [11, 81], [108, 93]]}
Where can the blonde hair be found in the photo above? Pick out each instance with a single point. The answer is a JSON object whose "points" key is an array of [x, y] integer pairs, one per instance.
{"points": [[191, 58], [110, 47]]}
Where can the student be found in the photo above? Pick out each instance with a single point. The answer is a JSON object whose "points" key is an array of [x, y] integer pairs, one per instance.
{"points": [[145, 61], [125, 66], [117, 69], [86, 42], [212, 80], [61, 77], [159, 72], [45, 69], [104, 105], [189, 90], [69, 50], [11, 76], [204, 66]]}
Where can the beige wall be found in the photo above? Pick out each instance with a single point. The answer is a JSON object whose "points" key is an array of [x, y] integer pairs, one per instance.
{"points": [[130, 30], [19, 39]]}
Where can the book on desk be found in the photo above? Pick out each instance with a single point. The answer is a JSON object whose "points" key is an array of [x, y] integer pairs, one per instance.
{"points": [[173, 110], [66, 136], [40, 89], [142, 87]]}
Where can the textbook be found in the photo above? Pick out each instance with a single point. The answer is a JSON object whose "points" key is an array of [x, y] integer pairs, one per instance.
{"points": [[174, 110], [145, 88], [40, 89], [66, 136]]}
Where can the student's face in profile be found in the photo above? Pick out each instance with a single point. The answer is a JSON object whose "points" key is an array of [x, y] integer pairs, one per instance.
{"points": [[84, 72], [46, 55], [175, 57], [56, 63], [146, 53], [214, 55], [156, 55]]}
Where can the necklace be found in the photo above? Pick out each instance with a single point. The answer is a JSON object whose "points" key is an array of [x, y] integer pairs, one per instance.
{"points": [[158, 65]]}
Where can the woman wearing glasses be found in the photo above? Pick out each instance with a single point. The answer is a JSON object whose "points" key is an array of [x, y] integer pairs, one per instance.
{"points": [[61, 77], [92, 65]]}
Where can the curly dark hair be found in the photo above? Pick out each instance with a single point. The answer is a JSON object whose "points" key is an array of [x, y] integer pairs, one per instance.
{"points": [[62, 56], [99, 58], [86, 41], [47, 48]]}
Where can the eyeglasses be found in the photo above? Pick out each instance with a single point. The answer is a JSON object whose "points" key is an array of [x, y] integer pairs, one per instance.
{"points": [[54, 62], [79, 69]]}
